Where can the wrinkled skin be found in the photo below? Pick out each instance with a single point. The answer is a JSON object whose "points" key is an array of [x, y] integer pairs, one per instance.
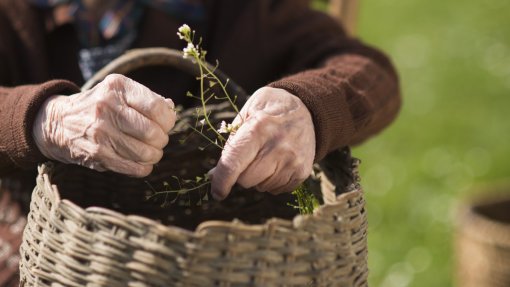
{"points": [[273, 149], [119, 125]]}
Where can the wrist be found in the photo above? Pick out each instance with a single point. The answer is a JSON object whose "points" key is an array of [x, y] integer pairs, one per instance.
{"points": [[46, 126]]}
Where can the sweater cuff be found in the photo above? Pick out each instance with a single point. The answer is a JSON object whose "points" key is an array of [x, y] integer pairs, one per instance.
{"points": [[25, 104], [330, 113]]}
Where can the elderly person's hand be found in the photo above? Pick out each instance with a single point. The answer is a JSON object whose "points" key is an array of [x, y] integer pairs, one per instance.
{"points": [[119, 125], [273, 149]]}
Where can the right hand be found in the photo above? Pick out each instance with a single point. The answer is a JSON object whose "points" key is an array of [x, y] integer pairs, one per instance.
{"points": [[119, 125]]}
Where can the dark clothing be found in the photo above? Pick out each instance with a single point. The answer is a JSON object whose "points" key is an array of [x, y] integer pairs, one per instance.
{"points": [[350, 89]]}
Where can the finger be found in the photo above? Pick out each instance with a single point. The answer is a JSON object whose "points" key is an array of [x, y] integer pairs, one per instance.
{"points": [[260, 169], [130, 168], [278, 179], [289, 187], [112, 161], [170, 103], [151, 105], [132, 149], [145, 101], [237, 154], [132, 123], [291, 176], [241, 117]]}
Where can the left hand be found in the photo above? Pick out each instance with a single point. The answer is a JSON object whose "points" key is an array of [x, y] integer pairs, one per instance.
{"points": [[273, 149]]}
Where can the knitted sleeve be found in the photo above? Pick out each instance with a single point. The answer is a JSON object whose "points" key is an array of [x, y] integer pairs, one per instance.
{"points": [[18, 109], [351, 89]]}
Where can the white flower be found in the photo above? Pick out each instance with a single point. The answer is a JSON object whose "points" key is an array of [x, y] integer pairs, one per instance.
{"points": [[227, 128], [184, 29], [190, 50], [202, 122], [184, 32], [232, 129], [223, 128]]}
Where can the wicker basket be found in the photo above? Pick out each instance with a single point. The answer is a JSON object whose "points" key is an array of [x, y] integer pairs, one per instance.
{"points": [[483, 241], [77, 232]]}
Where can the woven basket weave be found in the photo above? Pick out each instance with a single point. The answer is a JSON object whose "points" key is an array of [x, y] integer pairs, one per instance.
{"points": [[77, 232], [483, 240]]}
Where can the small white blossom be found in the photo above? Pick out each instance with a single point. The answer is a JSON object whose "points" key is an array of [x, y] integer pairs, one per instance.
{"points": [[227, 128], [190, 50], [202, 122], [223, 128], [232, 129], [184, 31]]}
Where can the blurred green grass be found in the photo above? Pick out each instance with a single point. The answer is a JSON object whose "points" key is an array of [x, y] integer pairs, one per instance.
{"points": [[453, 132]]}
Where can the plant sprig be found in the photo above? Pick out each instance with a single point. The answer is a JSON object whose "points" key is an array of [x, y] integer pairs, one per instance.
{"points": [[305, 202]]}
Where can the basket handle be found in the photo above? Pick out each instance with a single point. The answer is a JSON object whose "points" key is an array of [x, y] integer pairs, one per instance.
{"points": [[138, 58]]}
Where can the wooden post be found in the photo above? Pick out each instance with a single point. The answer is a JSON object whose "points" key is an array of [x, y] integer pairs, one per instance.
{"points": [[345, 11]]}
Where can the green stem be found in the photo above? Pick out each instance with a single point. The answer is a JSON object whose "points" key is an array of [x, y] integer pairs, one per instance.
{"points": [[223, 87], [202, 97], [180, 191], [204, 136]]}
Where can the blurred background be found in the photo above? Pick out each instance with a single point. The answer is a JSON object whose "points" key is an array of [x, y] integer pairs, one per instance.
{"points": [[452, 135]]}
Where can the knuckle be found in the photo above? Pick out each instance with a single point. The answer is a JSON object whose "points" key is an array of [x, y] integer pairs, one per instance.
{"points": [[102, 105], [228, 163], [170, 121], [143, 170], [114, 80], [170, 103], [260, 126], [302, 174], [96, 131], [156, 105], [151, 155], [158, 155], [285, 148], [96, 153], [164, 141], [244, 182], [261, 188], [99, 105], [155, 136], [145, 154], [307, 169], [152, 133], [227, 167]]}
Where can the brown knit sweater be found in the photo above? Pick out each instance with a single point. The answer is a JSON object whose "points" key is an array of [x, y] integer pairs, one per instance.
{"points": [[350, 89]]}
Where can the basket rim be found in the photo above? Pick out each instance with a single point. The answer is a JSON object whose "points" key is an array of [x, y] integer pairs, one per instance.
{"points": [[45, 170]]}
